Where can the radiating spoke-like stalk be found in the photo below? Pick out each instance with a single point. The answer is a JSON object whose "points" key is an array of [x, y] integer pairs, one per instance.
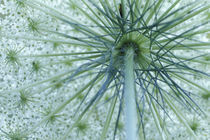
{"points": [[129, 95]]}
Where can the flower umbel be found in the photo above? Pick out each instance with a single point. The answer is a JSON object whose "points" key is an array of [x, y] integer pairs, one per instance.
{"points": [[122, 60]]}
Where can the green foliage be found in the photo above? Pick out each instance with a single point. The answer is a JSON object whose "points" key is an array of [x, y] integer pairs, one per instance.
{"points": [[208, 35], [56, 45], [33, 25], [72, 5], [20, 3], [15, 135], [25, 99], [82, 127], [106, 97], [36, 66], [206, 96], [52, 118], [80, 97], [68, 62], [120, 126], [12, 57], [58, 85], [194, 125]]}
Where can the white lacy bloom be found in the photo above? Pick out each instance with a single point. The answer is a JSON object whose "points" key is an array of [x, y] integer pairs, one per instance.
{"points": [[44, 86]]}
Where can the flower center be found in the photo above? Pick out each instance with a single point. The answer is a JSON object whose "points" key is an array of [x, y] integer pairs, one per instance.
{"points": [[136, 40]]}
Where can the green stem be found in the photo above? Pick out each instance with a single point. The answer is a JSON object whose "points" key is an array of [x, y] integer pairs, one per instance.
{"points": [[39, 82], [129, 96], [181, 117], [108, 119], [61, 54]]}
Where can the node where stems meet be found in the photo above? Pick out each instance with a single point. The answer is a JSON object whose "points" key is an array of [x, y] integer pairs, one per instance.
{"points": [[135, 40]]}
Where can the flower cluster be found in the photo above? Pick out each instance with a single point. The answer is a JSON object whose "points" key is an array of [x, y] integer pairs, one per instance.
{"points": [[100, 69]]}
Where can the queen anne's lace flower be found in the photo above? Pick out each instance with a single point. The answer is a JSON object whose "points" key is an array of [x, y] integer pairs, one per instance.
{"points": [[91, 69]]}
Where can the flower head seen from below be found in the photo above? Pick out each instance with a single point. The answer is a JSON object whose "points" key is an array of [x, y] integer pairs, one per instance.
{"points": [[99, 69]]}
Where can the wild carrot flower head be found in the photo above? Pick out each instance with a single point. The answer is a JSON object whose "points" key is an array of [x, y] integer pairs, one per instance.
{"points": [[89, 54]]}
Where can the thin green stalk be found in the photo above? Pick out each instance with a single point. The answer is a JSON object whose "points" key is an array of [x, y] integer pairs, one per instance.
{"points": [[108, 119], [81, 116], [71, 60], [190, 82], [156, 117], [98, 18], [51, 40], [169, 9], [39, 82], [181, 118], [191, 60], [188, 46], [60, 107], [62, 17], [61, 54], [153, 11], [187, 17], [129, 96]]}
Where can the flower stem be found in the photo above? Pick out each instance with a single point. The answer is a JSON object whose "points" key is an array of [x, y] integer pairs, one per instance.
{"points": [[129, 96]]}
